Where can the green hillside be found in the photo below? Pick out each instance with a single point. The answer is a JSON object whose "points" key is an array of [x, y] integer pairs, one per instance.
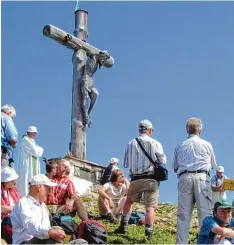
{"points": [[164, 228]]}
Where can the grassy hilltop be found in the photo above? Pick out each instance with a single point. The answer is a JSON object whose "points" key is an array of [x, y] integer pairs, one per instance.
{"points": [[164, 228]]}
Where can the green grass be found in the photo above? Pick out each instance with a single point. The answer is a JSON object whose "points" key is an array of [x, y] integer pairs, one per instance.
{"points": [[164, 228]]}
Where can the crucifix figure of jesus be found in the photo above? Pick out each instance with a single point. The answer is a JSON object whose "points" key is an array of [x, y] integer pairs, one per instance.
{"points": [[88, 90]]}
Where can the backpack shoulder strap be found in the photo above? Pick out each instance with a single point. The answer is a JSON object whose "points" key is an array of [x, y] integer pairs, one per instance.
{"points": [[143, 149]]}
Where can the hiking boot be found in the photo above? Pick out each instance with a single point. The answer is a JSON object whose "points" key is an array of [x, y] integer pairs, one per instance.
{"points": [[121, 229], [148, 234], [112, 218]]}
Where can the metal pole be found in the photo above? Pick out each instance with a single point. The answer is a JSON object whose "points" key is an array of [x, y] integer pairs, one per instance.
{"points": [[78, 131]]}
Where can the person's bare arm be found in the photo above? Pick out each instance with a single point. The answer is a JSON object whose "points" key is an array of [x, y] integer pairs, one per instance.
{"points": [[102, 193], [216, 188], [6, 209], [13, 143], [224, 232], [69, 205]]}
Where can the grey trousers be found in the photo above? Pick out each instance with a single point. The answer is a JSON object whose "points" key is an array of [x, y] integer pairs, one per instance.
{"points": [[4, 159], [192, 188]]}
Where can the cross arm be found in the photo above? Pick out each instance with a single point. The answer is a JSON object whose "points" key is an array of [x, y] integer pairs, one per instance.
{"points": [[69, 40]]}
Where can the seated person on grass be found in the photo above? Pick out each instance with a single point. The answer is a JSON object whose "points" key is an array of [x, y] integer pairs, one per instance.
{"points": [[218, 228], [9, 197], [64, 199], [30, 217], [112, 196]]}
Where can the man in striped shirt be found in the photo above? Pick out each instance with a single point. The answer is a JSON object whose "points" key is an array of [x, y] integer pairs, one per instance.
{"points": [[193, 160], [142, 176]]}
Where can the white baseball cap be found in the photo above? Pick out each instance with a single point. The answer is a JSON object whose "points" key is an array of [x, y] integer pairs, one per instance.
{"points": [[41, 179], [8, 174], [220, 169], [114, 160], [32, 129], [146, 124]]}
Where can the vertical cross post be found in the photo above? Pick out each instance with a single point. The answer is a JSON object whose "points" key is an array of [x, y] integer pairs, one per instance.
{"points": [[78, 131], [96, 58]]}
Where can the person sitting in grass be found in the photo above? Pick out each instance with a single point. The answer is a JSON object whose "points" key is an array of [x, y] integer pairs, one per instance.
{"points": [[218, 229], [64, 199], [9, 197], [112, 196]]}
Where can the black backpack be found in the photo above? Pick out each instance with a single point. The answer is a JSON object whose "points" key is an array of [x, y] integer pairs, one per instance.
{"points": [[69, 226], [93, 232], [107, 174]]}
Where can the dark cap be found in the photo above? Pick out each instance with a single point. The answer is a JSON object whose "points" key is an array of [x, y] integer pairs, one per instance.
{"points": [[222, 204]]}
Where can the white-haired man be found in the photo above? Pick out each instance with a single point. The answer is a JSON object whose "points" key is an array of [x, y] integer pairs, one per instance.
{"points": [[64, 199], [193, 160], [30, 218], [29, 163], [9, 134], [142, 176], [216, 185], [113, 165]]}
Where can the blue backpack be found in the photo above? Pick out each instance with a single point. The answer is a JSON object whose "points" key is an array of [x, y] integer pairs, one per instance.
{"points": [[137, 218]]}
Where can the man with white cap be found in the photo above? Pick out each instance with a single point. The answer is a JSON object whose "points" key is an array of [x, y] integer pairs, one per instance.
{"points": [[30, 218], [193, 160], [216, 185], [29, 163], [9, 134], [142, 176], [113, 165]]}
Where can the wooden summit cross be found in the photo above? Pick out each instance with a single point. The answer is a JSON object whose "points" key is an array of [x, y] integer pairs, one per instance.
{"points": [[86, 59]]}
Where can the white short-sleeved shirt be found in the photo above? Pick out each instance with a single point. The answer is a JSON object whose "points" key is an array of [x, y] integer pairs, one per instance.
{"points": [[194, 154], [115, 193]]}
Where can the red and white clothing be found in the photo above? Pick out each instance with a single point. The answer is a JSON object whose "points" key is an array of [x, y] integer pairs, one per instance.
{"points": [[9, 198], [65, 189], [51, 200]]}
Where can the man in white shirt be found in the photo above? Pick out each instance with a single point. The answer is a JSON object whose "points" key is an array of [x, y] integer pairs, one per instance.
{"points": [[142, 176], [30, 217], [193, 160], [216, 185]]}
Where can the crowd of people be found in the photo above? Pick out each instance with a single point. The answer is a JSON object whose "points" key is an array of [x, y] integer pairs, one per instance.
{"points": [[55, 192]]}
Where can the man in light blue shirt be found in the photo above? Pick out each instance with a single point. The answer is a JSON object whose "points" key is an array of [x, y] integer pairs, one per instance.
{"points": [[216, 185], [193, 160], [9, 134]]}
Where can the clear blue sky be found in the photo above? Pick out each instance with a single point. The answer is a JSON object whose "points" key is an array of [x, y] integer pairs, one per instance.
{"points": [[173, 60]]}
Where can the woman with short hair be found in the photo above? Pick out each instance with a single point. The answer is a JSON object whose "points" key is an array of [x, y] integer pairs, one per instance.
{"points": [[112, 196]]}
